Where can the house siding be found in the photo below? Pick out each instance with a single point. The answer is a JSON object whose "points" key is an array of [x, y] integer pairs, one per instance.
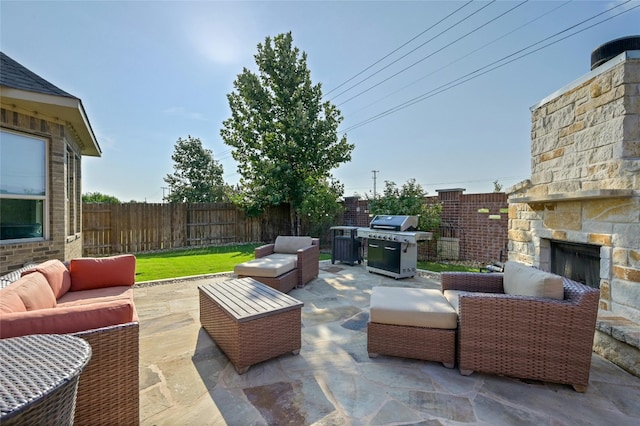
{"points": [[59, 245]]}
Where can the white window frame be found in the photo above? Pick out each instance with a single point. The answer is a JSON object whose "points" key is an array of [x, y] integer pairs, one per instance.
{"points": [[44, 198]]}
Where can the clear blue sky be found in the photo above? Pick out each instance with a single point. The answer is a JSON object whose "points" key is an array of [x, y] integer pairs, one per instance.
{"points": [[149, 72]]}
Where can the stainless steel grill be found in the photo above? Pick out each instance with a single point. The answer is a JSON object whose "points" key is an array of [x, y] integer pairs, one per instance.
{"points": [[392, 245]]}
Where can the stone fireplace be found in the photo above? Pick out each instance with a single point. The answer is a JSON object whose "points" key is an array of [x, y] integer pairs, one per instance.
{"points": [[583, 198]]}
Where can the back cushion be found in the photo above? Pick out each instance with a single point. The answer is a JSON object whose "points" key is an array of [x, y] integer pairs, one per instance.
{"points": [[88, 273], [56, 274], [35, 292], [290, 244], [523, 280]]}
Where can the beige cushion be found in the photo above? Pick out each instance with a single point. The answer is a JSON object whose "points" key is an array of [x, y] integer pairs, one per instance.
{"points": [[418, 307], [269, 266], [523, 280], [453, 297], [290, 244]]}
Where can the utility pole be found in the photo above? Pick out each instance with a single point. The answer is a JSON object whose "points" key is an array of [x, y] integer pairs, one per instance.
{"points": [[374, 182], [164, 200]]}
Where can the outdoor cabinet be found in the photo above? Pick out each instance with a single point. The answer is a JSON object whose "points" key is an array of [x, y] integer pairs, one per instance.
{"points": [[345, 246]]}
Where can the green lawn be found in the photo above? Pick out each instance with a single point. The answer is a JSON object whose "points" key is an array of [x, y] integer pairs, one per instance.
{"points": [[445, 267], [212, 260], [184, 263]]}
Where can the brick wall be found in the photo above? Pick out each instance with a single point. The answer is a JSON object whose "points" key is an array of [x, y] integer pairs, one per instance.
{"points": [[476, 223], [14, 256]]}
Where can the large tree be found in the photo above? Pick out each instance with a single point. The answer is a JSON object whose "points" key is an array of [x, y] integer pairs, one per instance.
{"points": [[284, 135], [197, 177]]}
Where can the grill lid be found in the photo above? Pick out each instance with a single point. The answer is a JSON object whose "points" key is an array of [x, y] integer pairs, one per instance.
{"points": [[394, 223]]}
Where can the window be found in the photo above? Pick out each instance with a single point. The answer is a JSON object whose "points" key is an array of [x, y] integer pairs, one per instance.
{"points": [[23, 187], [74, 197]]}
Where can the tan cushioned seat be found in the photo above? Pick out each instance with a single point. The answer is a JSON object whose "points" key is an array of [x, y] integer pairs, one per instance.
{"points": [[270, 266], [418, 307], [453, 297]]}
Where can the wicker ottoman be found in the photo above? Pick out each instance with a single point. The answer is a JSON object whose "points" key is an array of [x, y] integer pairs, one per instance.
{"points": [[412, 323], [250, 321]]}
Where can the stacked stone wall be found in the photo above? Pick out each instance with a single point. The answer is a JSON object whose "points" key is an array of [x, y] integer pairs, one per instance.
{"points": [[584, 143]]}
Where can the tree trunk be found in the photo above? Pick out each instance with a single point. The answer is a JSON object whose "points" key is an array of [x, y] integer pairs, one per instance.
{"points": [[292, 219]]}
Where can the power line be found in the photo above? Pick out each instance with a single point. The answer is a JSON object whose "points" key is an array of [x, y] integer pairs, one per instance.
{"points": [[463, 79], [413, 50], [465, 56], [397, 49], [433, 53]]}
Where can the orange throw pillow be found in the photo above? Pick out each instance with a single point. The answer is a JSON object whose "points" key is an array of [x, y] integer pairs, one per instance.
{"points": [[89, 273], [56, 274]]}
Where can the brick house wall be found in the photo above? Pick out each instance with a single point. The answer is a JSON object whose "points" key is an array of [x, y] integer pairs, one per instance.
{"points": [[61, 244]]}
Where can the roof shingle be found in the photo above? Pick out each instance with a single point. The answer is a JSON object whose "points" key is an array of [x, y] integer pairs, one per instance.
{"points": [[15, 76]]}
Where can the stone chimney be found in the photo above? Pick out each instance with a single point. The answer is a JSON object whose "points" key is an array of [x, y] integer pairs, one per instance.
{"points": [[584, 190]]}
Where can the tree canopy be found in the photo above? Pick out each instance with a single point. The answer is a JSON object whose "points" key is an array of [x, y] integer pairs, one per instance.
{"points": [[97, 197], [284, 135], [197, 177], [407, 200]]}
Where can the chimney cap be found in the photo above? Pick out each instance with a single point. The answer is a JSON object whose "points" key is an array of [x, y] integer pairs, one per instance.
{"points": [[613, 48]]}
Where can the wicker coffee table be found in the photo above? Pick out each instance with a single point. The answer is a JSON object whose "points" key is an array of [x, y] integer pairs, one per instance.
{"points": [[39, 378], [249, 321]]}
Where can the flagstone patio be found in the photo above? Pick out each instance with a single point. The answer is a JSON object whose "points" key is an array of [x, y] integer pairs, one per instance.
{"points": [[186, 379]]}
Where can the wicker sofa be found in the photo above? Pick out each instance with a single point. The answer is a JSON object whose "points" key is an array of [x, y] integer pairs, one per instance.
{"points": [[93, 299], [546, 335], [289, 262]]}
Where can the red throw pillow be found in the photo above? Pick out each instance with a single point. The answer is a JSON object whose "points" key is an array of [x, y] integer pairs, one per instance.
{"points": [[88, 273], [56, 274]]}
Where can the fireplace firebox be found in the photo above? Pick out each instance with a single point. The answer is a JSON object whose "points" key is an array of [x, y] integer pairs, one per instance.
{"points": [[579, 262]]}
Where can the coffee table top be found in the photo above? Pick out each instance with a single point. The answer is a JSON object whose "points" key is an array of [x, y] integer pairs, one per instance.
{"points": [[247, 299], [34, 366]]}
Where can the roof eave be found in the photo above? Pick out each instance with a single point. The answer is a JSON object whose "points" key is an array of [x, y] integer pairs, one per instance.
{"points": [[68, 110]]}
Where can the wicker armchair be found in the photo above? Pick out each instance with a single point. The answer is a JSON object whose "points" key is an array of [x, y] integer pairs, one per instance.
{"points": [[522, 336], [308, 266]]}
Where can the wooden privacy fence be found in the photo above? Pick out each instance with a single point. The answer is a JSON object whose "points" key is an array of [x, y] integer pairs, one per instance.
{"points": [[138, 227]]}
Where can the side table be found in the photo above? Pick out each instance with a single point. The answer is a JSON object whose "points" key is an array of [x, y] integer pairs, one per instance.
{"points": [[39, 378], [250, 321]]}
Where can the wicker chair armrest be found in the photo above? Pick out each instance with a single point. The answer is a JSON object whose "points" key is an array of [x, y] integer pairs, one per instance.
{"points": [[308, 254], [308, 263], [472, 281], [483, 314], [263, 251]]}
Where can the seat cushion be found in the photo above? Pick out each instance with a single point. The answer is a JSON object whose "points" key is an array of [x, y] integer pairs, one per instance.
{"points": [[523, 280], [291, 244], [453, 297], [418, 307], [269, 266], [98, 295]]}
